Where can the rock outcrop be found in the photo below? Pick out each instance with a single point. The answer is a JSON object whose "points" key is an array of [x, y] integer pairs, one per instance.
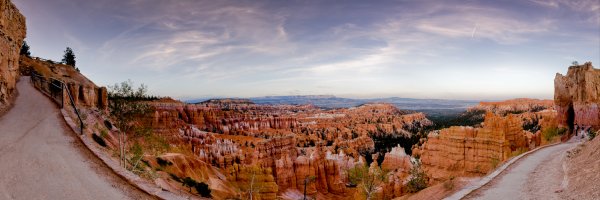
{"points": [[219, 117], [83, 91], [396, 159], [399, 164], [467, 151], [182, 166], [577, 97], [12, 33]]}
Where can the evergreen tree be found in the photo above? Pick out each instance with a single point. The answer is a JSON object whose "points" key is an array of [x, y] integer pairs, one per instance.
{"points": [[25, 50], [69, 57], [203, 189]]}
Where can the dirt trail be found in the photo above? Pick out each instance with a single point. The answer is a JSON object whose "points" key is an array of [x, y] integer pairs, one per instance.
{"points": [[42, 159], [539, 175]]}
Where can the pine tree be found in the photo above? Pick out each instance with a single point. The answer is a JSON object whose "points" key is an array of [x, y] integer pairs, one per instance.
{"points": [[25, 50], [69, 57]]}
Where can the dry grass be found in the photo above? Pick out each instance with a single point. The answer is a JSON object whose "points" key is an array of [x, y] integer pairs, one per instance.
{"points": [[519, 151]]}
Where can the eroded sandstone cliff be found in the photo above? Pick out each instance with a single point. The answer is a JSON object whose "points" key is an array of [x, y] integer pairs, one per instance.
{"points": [[468, 151], [84, 92], [12, 33], [577, 96]]}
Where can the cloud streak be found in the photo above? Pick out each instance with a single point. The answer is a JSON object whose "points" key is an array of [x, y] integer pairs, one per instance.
{"points": [[222, 48]]}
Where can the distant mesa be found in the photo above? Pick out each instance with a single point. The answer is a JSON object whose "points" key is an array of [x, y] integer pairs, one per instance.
{"points": [[333, 102], [514, 106], [227, 101]]}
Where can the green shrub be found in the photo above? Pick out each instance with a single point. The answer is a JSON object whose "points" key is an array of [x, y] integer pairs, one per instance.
{"points": [[146, 163], [142, 132], [108, 124], [478, 169], [163, 162], [553, 132], [449, 184], [175, 177], [189, 182], [418, 178], [137, 151], [356, 174], [104, 133], [99, 140], [494, 162], [156, 143], [519, 151], [592, 134], [203, 189], [562, 131]]}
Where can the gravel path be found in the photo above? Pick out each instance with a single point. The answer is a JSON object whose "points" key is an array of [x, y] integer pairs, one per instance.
{"points": [[40, 158], [538, 175]]}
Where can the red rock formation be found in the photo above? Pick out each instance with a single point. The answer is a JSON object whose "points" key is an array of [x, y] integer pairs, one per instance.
{"points": [[467, 151], [12, 33], [83, 91], [258, 180], [183, 166], [577, 96], [399, 164], [303, 147], [220, 118], [294, 142], [396, 159]]}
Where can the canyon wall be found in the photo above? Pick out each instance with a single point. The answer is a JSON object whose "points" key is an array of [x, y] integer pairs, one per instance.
{"points": [[218, 117], [467, 151], [577, 96], [12, 33]]}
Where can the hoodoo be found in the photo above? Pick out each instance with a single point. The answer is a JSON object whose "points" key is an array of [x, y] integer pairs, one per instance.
{"points": [[576, 97]]}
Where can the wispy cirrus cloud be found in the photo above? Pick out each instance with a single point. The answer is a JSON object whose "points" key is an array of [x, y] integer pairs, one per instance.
{"points": [[587, 9], [225, 48]]}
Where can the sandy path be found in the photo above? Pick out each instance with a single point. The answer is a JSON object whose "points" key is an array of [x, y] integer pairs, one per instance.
{"points": [[536, 176], [41, 159]]}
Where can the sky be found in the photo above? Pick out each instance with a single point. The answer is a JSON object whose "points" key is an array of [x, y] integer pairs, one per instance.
{"points": [[188, 49]]}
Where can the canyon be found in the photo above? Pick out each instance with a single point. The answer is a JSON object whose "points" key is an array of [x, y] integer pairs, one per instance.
{"points": [[283, 145], [293, 147], [285, 151], [294, 141], [244, 149]]}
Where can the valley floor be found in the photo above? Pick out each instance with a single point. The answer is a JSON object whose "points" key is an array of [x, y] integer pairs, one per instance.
{"points": [[42, 159]]}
